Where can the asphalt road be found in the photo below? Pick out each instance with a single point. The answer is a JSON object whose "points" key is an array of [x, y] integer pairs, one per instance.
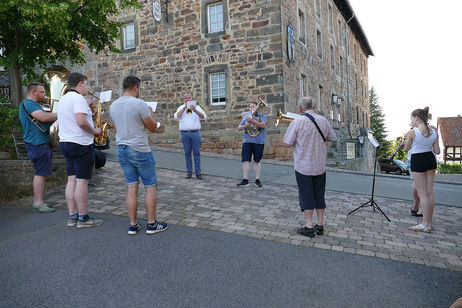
{"points": [[398, 187], [43, 263]]}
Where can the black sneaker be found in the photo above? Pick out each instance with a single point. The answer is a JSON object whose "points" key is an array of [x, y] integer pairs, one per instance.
{"points": [[188, 175], [244, 182], [156, 227], [132, 229], [319, 229], [199, 176], [257, 183], [307, 232]]}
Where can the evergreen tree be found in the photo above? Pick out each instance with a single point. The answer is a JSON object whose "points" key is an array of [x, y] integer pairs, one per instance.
{"points": [[378, 123]]}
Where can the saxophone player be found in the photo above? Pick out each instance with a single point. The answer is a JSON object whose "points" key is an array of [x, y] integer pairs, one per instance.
{"points": [[253, 144], [76, 134]]}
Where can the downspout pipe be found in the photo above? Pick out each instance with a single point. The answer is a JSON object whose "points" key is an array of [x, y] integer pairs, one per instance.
{"points": [[348, 74]]}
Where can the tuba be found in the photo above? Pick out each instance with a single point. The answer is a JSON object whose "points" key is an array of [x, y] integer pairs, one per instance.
{"points": [[101, 141], [56, 83], [253, 130]]}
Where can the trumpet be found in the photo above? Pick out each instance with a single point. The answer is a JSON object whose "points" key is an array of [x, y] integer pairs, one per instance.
{"points": [[283, 118]]}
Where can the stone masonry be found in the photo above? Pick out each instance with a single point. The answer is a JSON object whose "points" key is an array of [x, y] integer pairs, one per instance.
{"points": [[178, 56]]}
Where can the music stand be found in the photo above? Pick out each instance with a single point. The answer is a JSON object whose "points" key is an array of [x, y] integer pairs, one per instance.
{"points": [[371, 201]]}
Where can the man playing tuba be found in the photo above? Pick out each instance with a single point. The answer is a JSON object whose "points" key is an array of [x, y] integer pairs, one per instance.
{"points": [[254, 126]]}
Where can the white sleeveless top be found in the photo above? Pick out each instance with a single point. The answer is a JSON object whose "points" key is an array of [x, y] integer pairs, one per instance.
{"points": [[422, 144]]}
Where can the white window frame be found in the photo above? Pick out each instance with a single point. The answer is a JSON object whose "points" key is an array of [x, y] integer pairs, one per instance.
{"points": [[301, 27], [214, 18], [317, 8], [126, 41], [319, 43], [219, 74], [302, 85], [330, 18]]}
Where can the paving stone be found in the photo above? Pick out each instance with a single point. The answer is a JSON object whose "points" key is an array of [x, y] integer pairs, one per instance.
{"points": [[217, 204]]}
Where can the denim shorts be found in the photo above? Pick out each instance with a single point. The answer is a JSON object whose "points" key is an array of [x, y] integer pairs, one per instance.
{"points": [[252, 148], [80, 159], [137, 164], [41, 157]]}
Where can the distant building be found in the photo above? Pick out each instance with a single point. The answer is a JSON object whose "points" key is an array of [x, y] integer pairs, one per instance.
{"points": [[451, 136], [228, 53]]}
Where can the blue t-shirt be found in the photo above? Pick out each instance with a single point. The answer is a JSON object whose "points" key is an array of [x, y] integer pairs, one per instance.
{"points": [[261, 138], [32, 134]]}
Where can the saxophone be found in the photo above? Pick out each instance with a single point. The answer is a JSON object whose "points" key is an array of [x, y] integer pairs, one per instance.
{"points": [[101, 141]]}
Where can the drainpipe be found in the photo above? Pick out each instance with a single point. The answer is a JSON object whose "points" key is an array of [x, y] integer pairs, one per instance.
{"points": [[348, 74]]}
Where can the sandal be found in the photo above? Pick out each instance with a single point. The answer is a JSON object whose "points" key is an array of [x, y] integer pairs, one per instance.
{"points": [[416, 213], [419, 228]]}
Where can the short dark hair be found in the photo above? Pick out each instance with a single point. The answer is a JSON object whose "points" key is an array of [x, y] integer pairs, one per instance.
{"points": [[74, 78], [130, 82], [33, 86]]}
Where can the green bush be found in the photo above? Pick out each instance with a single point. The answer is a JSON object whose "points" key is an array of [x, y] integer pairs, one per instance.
{"points": [[9, 123], [449, 168]]}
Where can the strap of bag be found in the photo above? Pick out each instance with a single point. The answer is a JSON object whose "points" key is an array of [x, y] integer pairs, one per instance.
{"points": [[316, 124], [35, 121]]}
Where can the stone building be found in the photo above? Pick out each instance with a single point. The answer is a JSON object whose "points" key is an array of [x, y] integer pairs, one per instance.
{"points": [[231, 52]]}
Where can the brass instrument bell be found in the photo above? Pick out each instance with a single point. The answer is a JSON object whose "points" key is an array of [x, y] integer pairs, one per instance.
{"points": [[283, 118]]}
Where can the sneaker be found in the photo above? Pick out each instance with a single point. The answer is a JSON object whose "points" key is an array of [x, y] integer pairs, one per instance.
{"points": [[244, 182], [133, 229], [90, 222], [307, 232], [319, 229], [72, 222], [199, 176], [258, 183], [156, 227], [42, 208], [188, 175]]}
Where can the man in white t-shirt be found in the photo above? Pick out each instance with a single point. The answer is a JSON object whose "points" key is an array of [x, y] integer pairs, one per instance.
{"points": [[76, 134]]}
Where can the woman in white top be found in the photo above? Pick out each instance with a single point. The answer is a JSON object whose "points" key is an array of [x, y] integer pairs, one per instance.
{"points": [[423, 142]]}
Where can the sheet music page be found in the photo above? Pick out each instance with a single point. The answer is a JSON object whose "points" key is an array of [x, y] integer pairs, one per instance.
{"points": [[105, 96], [293, 115], [191, 103], [153, 105], [246, 114]]}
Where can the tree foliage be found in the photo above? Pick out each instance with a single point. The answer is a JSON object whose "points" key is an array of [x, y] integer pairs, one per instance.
{"points": [[36, 33], [378, 123], [396, 146]]}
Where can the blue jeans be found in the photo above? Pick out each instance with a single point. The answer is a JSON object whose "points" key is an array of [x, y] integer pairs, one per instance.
{"points": [[192, 142], [137, 164]]}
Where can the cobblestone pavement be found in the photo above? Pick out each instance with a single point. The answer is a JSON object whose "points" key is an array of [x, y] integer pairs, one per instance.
{"points": [[272, 213]]}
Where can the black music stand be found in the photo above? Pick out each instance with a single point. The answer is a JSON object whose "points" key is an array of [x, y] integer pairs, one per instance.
{"points": [[371, 201]]}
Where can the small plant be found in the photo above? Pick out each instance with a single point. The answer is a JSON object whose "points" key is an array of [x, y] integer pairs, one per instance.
{"points": [[9, 124], [449, 168]]}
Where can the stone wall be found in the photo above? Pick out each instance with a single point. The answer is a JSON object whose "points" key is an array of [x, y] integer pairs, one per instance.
{"points": [[16, 178]]}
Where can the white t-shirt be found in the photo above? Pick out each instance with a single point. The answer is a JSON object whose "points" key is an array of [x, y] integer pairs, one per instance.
{"points": [[69, 131]]}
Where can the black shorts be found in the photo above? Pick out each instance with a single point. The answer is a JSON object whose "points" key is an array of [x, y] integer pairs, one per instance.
{"points": [[252, 148], [311, 191], [422, 162], [41, 157], [80, 159]]}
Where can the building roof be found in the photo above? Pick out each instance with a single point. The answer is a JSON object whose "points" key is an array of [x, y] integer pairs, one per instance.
{"points": [[451, 131], [347, 12]]}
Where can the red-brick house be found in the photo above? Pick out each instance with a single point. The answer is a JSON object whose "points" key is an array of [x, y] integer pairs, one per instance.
{"points": [[451, 135]]}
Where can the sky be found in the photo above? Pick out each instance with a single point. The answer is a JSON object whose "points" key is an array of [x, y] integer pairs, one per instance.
{"points": [[417, 58]]}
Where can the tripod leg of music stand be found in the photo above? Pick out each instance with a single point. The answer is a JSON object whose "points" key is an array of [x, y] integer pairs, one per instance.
{"points": [[361, 206], [378, 207]]}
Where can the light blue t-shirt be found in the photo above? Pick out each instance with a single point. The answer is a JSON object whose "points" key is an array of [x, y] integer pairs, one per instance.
{"points": [[261, 138], [128, 113], [32, 134]]}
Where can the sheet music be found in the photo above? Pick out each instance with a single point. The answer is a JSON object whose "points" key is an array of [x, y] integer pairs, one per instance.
{"points": [[105, 96], [191, 103], [293, 115], [246, 114], [153, 105]]}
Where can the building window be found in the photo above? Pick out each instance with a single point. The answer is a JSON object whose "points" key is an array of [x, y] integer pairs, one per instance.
{"points": [[302, 86], [128, 36], [218, 88], [332, 59], [341, 67], [340, 32], [330, 18], [319, 43], [301, 26], [215, 17], [317, 5], [354, 50]]}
